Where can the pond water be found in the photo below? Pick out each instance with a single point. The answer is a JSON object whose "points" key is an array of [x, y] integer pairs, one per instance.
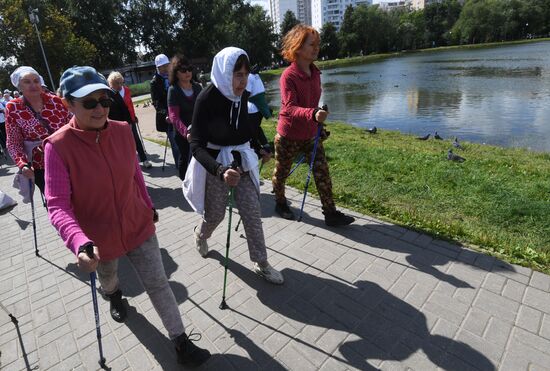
{"points": [[497, 95]]}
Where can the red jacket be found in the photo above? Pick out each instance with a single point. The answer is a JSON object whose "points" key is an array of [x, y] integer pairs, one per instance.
{"points": [[105, 199], [300, 96], [129, 103]]}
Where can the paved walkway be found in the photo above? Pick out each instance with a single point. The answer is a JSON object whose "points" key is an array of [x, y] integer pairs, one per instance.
{"points": [[369, 296]]}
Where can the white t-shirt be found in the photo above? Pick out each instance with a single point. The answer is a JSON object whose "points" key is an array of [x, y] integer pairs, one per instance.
{"points": [[255, 86]]}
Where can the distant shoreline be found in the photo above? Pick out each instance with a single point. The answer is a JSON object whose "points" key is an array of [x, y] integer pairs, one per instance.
{"points": [[372, 58]]}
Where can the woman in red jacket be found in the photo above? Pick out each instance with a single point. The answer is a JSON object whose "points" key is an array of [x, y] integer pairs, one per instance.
{"points": [[31, 119], [298, 121], [97, 198]]}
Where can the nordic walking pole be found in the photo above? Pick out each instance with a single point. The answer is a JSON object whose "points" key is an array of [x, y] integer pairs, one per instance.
{"points": [[165, 148], [296, 166], [12, 317], [319, 128], [140, 136], [223, 304], [33, 219], [241, 218], [90, 253]]}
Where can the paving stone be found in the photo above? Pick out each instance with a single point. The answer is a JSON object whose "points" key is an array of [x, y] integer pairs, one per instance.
{"points": [[369, 296], [529, 319]]}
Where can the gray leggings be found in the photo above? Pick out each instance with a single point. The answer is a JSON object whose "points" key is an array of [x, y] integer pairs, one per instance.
{"points": [[247, 200], [147, 262]]}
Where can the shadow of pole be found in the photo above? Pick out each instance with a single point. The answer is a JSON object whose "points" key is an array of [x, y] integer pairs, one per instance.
{"points": [[23, 351]]}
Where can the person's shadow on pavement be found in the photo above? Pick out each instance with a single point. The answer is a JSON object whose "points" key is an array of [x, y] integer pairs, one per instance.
{"points": [[388, 328]]}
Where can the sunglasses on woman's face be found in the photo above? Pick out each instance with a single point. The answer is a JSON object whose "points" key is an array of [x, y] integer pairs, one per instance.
{"points": [[186, 69], [92, 103]]}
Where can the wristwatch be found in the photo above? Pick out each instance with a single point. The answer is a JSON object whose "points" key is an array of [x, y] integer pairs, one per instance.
{"points": [[83, 248]]}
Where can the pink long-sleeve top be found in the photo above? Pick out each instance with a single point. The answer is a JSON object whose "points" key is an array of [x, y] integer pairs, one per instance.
{"points": [[58, 194], [300, 96], [174, 116]]}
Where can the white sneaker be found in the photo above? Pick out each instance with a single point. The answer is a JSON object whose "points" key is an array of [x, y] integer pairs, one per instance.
{"points": [[200, 244], [146, 164], [269, 273]]}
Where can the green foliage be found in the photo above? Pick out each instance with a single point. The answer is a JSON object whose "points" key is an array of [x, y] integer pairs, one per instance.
{"points": [[19, 41], [330, 45], [289, 21]]}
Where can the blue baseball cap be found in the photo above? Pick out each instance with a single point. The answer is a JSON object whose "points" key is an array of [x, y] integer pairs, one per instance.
{"points": [[79, 81]]}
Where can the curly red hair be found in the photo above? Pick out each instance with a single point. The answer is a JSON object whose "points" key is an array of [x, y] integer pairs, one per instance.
{"points": [[294, 39]]}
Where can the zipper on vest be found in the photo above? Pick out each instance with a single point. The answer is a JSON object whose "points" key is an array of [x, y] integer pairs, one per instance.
{"points": [[97, 137]]}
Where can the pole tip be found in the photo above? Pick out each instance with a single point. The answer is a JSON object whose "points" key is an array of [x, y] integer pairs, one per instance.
{"points": [[223, 305], [102, 364]]}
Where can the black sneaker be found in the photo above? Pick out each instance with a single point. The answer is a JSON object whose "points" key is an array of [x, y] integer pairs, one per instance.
{"points": [[284, 211], [337, 219], [118, 309], [188, 353]]}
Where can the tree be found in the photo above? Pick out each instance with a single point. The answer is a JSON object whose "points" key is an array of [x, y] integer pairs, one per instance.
{"points": [[289, 21], [330, 45], [439, 18], [19, 44], [104, 24], [349, 40], [158, 36]]}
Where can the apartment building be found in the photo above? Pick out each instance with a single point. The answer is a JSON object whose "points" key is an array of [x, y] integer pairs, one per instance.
{"points": [[300, 8], [323, 11]]}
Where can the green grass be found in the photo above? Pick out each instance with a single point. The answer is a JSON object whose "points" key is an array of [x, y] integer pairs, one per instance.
{"points": [[141, 88], [497, 201], [372, 58]]}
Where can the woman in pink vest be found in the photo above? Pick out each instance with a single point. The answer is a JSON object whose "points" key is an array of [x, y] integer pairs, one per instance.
{"points": [[97, 197]]}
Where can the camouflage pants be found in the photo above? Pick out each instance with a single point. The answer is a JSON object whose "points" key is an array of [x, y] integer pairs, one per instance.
{"points": [[247, 200], [286, 151]]}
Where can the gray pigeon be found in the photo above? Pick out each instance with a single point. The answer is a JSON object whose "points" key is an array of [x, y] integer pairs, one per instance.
{"points": [[425, 137], [452, 157], [456, 144], [371, 131], [436, 136]]}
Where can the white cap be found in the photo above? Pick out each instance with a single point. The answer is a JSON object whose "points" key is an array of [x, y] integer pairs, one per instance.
{"points": [[161, 60]]}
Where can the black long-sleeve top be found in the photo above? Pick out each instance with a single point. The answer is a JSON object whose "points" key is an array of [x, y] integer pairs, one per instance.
{"points": [[210, 123]]}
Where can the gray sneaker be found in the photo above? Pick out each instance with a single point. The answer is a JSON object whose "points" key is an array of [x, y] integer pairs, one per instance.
{"points": [[200, 244], [269, 273]]}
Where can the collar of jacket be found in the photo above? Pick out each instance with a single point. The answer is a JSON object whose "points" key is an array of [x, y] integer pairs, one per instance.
{"points": [[302, 75], [90, 136]]}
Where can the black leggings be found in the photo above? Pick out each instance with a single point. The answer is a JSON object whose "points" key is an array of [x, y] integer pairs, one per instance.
{"points": [[185, 155], [39, 179]]}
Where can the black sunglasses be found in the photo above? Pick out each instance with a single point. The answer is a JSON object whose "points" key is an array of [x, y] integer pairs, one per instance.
{"points": [[186, 69], [92, 103]]}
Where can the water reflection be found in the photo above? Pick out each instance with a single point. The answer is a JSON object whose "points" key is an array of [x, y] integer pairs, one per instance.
{"points": [[498, 96]]}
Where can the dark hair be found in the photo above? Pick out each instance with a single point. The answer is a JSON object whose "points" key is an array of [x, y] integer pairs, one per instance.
{"points": [[178, 62], [241, 62]]}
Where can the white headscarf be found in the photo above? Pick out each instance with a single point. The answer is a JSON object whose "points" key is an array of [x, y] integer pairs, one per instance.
{"points": [[222, 71], [20, 72]]}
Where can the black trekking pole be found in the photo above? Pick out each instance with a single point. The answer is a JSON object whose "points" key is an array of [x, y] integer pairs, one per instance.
{"points": [[12, 317], [90, 253], [241, 218], [319, 128], [165, 148], [140, 136], [33, 219], [223, 304]]}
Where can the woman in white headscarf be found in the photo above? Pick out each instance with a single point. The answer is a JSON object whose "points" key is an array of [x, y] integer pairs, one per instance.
{"points": [[221, 135], [29, 120]]}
